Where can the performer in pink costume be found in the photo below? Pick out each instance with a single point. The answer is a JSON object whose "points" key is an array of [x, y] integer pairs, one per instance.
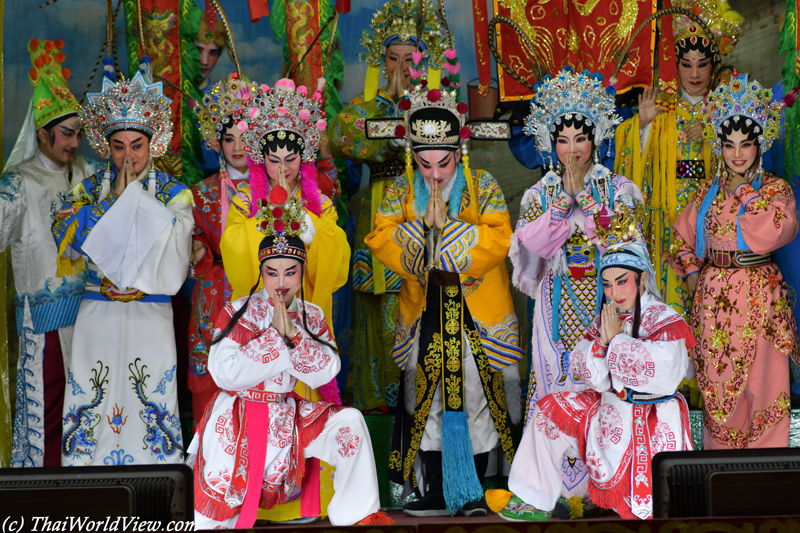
{"points": [[741, 315]]}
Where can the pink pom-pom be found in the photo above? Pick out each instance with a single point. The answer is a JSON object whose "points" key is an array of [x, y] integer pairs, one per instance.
{"points": [[282, 111], [254, 112], [302, 90], [465, 133], [450, 54], [462, 107], [285, 84], [242, 125], [416, 57], [400, 131], [452, 68], [264, 87], [304, 114], [434, 95], [322, 124]]}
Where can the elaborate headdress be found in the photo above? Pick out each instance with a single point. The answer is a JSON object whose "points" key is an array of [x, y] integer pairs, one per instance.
{"points": [[570, 94], [230, 97], [632, 255], [281, 218], [51, 96], [210, 29], [724, 23], [418, 22], [741, 99], [284, 111], [129, 104]]}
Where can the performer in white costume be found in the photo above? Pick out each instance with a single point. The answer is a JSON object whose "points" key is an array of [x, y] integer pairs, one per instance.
{"points": [[633, 356], [254, 445], [41, 169], [134, 225]]}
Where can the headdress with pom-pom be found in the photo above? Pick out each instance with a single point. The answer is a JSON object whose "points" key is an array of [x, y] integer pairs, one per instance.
{"points": [[724, 23], [52, 98], [281, 216], [567, 94], [742, 99], [284, 110], [230, 97]]}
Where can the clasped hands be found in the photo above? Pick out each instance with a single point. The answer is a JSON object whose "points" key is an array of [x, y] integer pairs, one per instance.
{"points": [[436, 210], [124, 178], [572, 181], [281, 320], [610, 323]]}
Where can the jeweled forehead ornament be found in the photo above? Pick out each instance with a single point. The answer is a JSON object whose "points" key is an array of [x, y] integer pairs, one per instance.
{"points": [[569, 94], [284, 110], [129, 104], [742, 99]]}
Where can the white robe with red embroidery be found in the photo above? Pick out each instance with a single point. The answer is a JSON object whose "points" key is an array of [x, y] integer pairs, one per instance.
{"points": [[254, 362], [615, 438]]}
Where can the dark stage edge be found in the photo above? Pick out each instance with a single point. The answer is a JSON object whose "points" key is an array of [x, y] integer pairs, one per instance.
{"points": [[605, 524]]}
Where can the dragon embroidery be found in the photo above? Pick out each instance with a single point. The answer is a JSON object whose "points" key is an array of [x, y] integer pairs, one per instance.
{"points": [[159, 437], [79, 436]]}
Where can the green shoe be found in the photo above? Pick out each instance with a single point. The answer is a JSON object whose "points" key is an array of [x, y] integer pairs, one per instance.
{"points": [[517, 510]]}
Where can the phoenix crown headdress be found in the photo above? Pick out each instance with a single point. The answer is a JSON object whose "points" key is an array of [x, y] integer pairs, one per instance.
{"points": [[284, 110], [129, 104], [741, 99], [570, 94], [724, 23], [229, 97]]}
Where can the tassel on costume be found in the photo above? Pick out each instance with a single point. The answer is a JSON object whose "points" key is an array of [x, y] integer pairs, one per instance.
{"points": [[575, 507], [497, 499], [461, 483]]}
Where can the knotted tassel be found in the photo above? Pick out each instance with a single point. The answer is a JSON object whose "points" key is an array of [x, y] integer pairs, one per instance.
{"points": [[461, 484], [105, 186], [497, 499]]}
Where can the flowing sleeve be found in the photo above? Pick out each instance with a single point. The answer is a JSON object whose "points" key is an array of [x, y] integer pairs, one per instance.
{"points": [[314, 363], [682, 251], [588, 359], [205, 269], [544, 231], [528, 266], [239, 245], [248, 356], [143, 241], [328, 261], [399, 244], [78, 216], [347, 131], [13, 205], [770, 216], [652, 366], [475, 249]]}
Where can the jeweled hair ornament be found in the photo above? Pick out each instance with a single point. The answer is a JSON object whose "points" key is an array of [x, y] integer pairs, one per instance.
{"points": [[284, 110], [230, 97], [570, 94]]}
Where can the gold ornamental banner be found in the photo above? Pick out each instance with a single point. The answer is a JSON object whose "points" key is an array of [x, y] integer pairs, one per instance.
{"points": [[583, 34]]}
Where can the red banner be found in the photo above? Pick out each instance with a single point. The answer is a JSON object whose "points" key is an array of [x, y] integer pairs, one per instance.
{"points": [[480, 23], [583, 34], [258, 9]]}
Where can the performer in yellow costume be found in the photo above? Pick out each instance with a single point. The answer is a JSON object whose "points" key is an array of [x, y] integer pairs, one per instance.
{"points": [[662, 148], [446, 230], [282, 127], [388, 43]]}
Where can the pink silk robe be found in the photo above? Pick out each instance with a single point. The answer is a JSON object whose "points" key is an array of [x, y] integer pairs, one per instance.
{"points": [[742, 317]]}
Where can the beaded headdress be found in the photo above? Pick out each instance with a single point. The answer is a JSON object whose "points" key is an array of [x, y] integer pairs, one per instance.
{"points": [[284, 111], [283, 218], [229, 97], [210, 29], [568, 94], [724, 23], [741, 99], [129, 104], [401, 19]]}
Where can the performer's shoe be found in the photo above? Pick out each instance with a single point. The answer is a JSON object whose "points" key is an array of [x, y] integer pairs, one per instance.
{"points": [[476, 508], [517, 510], [432, 504]]}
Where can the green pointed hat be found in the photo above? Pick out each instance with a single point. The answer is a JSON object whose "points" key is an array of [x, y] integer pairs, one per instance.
{"points": [[51, 96]]}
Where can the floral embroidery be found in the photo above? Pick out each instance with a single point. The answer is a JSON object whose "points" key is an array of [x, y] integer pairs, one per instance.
{"points": [[609, 426], [347, 441]]}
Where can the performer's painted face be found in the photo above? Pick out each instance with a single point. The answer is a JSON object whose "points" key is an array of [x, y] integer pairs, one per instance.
{"points": [[438, 165], [209, 55], [574, 141], [694, 69], [133, 143], [62, 141], [287, 158], [739, 152], [619, 287], [398, 55], [282, 277], [233, 148]]}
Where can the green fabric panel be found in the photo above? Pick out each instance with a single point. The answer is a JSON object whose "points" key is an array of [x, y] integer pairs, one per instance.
{"points": [[131, 39], [788, 40], [190, 71]]}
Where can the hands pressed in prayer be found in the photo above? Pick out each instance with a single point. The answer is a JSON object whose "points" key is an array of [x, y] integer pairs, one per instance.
{"points": [[436, 210], [281, 320], [281, 180], [573, 181], [397, 81], [610, 324], [198, 252], [125, 176], [648, 110]]}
